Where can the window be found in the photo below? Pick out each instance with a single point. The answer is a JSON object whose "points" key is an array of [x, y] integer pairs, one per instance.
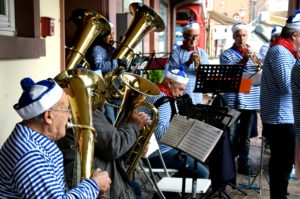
{"points": [[27, 36], [163, 36], [7, 17]]}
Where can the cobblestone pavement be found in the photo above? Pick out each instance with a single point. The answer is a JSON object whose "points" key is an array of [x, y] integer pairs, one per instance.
{"points": [[246, 184]]}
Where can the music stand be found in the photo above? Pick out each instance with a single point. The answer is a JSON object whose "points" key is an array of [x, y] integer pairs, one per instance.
{"points": [[216, 79], [194, 138]]}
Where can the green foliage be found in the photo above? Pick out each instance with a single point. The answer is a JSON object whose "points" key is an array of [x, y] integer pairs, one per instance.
{"points": [[155, 76]]}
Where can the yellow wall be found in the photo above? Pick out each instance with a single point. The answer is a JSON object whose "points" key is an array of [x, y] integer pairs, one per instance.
{"points": [[12, 71]]}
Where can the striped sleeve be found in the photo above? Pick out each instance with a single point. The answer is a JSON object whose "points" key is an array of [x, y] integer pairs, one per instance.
{"points": [[295, 83], [276, 94], [32, 167], [164, 117], [249, 101], [37, 178]]}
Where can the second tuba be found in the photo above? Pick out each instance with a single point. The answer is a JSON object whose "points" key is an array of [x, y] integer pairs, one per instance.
{"points": [[135, 90], [145, 20]]}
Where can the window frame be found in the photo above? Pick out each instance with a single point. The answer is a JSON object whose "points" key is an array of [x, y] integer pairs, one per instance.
{"points": [[28, 42], [7, 19]]}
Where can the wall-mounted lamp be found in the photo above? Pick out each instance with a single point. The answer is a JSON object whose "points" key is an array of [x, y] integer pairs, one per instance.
{"points": [[242, 13]]}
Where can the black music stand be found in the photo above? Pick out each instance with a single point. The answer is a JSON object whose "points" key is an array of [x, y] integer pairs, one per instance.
{"points": [[182, 138], [218, 79]]}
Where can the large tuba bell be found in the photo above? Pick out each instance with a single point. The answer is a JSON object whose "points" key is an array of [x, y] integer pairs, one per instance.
{"points": [[145, 20], [85, 89], [135, 90], [92, 25]]}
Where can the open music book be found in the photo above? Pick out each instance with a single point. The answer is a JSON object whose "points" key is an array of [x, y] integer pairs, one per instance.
{"points": [[192, 136], [232, 115]]}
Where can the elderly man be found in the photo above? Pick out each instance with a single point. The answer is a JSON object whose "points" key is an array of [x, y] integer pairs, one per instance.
{"points": [[172, 87], [247, 104], [190, 56], [31, 163], [277, 105]]}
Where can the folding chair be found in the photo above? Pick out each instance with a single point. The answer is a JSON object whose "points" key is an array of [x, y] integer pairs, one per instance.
{"points": [[169, 183], [152, 173]]}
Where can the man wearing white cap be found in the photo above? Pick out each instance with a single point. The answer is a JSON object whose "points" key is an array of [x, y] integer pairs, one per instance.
{"points": [[275, 33], [247, 104], [277, 104], [190, 56], [172, 87], [31, 165]]}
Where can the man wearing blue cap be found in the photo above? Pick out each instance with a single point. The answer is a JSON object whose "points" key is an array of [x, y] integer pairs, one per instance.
{"points": [[190, 56], [31, 164], [277, 104], [172, 87]]}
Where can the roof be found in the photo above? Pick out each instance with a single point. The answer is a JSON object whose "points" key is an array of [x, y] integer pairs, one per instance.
{"points": [[221, 18], [274, 18]]}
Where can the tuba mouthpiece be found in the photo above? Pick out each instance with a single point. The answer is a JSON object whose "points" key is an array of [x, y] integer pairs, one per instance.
{"points": [[71, 125]]}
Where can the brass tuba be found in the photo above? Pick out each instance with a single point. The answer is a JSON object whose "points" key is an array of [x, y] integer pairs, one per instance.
{"points": [[92, 25], [135, 90], [85, 89], [145, 20]]}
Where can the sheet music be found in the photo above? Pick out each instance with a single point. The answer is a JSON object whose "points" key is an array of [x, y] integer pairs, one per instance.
{"points": [[176, 130], [200, 140], [192, 136], [232, 115]]}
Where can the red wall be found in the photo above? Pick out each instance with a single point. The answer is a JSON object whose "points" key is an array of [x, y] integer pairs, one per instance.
{"points": [[198, 17]]}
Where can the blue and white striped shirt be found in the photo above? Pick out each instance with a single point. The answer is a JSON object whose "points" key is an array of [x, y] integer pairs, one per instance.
{"points": [[164, 117], [179, 57], [295, 81], [240, 100], [276, 94], [31, 166], [103, 60]]}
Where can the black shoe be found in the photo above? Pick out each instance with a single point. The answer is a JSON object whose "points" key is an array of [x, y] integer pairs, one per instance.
{"points": [[245, 170]]}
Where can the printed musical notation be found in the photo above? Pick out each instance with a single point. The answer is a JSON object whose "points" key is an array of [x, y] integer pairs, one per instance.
{"points": [[192, 136]]}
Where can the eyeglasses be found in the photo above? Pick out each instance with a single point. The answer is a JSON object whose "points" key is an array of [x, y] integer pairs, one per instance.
{"points": [[62, 110]]}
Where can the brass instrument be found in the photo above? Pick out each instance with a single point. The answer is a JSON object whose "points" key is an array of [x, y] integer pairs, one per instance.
{"points": [[254, 58], [145, 20], [197, 62], [135, 89], [92, 24], [85, 89], [256, 61]]}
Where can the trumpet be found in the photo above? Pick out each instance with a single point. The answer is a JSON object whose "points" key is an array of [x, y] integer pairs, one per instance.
{"points": [[253, 57], [197, 60]]}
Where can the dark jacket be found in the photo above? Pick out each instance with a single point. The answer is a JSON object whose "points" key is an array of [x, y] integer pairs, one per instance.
{"points": [[110, 147]]}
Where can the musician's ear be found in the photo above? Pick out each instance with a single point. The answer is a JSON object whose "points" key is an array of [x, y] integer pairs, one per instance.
{"points": [[295, 35], [170, 83]]}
